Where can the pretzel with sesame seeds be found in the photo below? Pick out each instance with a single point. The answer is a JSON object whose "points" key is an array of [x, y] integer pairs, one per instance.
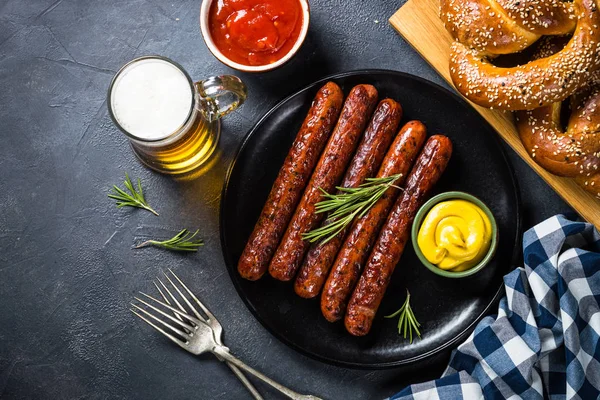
{"points": [[487, 28], [505, 26], [572, 152]]}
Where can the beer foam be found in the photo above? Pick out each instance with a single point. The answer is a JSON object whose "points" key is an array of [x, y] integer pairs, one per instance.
{"points": [[151, 99]]}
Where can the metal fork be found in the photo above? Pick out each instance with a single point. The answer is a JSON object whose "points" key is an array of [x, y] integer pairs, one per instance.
{"points": [[211, 321], [194, 333]]}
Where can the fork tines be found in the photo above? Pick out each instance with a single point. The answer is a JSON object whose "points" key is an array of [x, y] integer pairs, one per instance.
{"points": [[180, 320]]}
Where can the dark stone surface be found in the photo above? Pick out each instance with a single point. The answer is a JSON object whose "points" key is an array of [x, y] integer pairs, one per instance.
{"points": [[68, 271]]}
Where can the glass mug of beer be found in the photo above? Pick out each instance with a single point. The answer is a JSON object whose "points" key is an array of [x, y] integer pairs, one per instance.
{"points": [[172, 123]]}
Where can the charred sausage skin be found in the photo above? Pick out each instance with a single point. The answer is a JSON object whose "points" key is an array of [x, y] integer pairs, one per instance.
{"points": [[356, 112], [291, 181], [366, 161], [394, 235], [363, 233]]}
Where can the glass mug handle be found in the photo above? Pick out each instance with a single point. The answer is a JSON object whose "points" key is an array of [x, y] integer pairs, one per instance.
{"points": [[219, 95]]}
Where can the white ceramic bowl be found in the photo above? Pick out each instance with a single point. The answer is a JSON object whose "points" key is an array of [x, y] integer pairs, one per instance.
{"points": [[204, 12]]}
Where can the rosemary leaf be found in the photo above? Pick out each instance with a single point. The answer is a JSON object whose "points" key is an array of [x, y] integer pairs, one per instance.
{"points": [[407, 323], [135, 198], [180, 242], [348, 204]]}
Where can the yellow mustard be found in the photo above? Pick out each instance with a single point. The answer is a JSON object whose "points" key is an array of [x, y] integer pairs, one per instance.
{"points": [[455, 235]]}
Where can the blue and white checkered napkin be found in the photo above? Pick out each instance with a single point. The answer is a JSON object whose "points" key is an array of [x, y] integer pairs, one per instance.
{"points": [[545, 340]]}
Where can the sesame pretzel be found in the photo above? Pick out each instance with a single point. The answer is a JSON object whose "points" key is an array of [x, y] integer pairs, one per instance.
{"points": [[487, 28], [572, 152]]}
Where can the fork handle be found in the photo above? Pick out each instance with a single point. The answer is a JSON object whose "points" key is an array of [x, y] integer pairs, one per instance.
{"points": [[224, 352], [244, 380]]}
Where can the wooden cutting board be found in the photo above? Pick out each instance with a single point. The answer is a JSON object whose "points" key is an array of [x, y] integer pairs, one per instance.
{"points": [[419, 23]]}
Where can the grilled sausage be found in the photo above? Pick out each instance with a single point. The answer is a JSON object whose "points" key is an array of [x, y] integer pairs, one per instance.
{"points": [[329, 171], [366, 161], [291, 181], [357, 246], [392, 239]]}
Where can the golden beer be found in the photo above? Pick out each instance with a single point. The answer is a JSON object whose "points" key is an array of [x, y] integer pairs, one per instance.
{"points": [[172, 124]]}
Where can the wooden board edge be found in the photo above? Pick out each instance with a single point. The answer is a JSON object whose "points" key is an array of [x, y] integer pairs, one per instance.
{"points": [[566, 188]]}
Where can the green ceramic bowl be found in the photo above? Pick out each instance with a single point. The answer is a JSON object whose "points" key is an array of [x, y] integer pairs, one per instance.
{"points": [[424, 210]]}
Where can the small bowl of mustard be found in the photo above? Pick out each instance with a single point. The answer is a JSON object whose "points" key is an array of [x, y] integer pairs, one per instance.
{"points": [[455, 234]]}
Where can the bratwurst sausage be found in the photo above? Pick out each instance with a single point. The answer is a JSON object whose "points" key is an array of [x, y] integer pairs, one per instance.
{"points": [[392, 239], [357, 246], [329, 171], [366, 161], [291, 181]]}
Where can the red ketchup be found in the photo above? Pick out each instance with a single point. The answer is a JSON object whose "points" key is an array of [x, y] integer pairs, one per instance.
{"points": [[255, 32]]}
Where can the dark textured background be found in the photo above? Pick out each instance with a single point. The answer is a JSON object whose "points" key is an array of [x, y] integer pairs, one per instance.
{"points": [[67, 268]]}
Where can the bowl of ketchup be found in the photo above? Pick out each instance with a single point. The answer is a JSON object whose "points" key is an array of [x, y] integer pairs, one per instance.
{"points": [[254, 35]]}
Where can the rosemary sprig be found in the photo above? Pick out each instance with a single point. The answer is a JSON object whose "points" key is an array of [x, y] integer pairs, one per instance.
{"points": [[347, 204], [133, 199], [180, 242], [407, 322]]}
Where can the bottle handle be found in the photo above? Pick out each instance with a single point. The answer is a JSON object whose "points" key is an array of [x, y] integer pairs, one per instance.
{"points": [[219, 95]]}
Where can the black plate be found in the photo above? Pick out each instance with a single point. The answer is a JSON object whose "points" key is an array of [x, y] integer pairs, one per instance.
{"points": [[447, 308]]}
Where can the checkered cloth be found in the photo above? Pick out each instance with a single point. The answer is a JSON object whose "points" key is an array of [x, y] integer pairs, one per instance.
{"points": [[544, 342]]}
